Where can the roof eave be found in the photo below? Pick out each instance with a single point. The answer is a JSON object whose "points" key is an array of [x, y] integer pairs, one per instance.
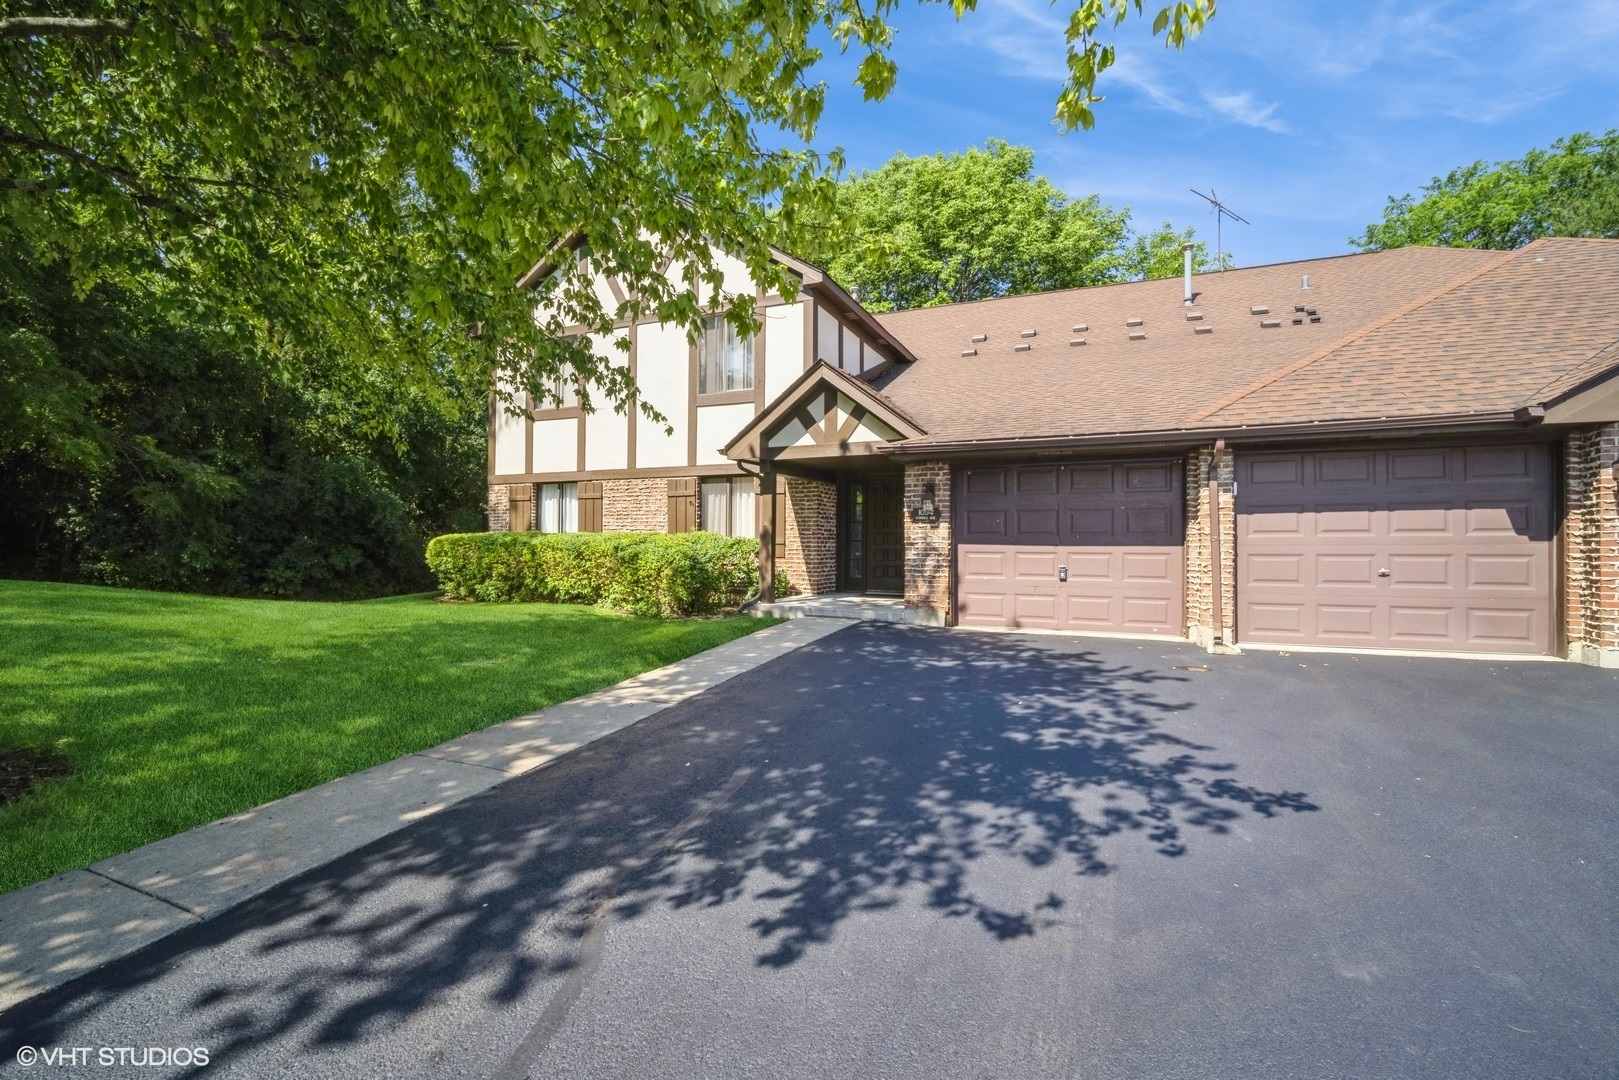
{"points": [[1503, 420]]}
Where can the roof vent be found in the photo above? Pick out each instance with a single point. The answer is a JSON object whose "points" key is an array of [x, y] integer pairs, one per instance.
{"points": [[1270, 324], [1194, 316], [1080, 328], [969, 352], [1022, 346], [1026, 333], [1315, 318], [980, 337], [1299, 308], [1298, 322], [1076, 341], [1304, 282], [1202, 329], [1139, 335], [1137, 321], [1259, 309]]}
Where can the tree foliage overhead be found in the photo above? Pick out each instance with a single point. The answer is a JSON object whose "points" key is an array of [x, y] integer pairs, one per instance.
{"points": [[365, 181], [945, 228], [1570, 189]]}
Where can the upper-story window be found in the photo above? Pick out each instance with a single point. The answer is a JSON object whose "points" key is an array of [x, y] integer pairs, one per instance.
{"points": [[566, 388], [724, 358]]}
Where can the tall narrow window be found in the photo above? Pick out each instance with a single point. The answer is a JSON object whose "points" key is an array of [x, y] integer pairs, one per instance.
{"points": [[559, 508], [728, 506], [724, 358]]}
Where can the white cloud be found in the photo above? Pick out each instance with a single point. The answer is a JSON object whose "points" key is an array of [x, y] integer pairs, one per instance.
{"points": [[1242, 108]]}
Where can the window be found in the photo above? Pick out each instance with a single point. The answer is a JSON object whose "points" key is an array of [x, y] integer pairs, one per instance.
{"points": [[566, 388], [559, 508], [728, 506], [724, 358]]}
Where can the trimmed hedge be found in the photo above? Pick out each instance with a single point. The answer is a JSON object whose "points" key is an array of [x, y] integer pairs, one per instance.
{"points": [[656, 574]]}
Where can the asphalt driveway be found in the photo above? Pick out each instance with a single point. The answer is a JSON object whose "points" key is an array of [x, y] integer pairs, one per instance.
{"points": [[913, 853]]}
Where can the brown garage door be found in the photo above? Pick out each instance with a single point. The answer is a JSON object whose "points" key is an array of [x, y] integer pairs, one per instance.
{"points": [[1115, 529], [1420, 548]]}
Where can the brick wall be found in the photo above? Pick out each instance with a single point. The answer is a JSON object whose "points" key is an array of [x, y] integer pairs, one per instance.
{"points": [[639, 505], [927, 545], [1199, 576], [1591, 545], [811, 562], [499, 508]]}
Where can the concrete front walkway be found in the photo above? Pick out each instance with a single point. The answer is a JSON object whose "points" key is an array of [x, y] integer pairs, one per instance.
{"points": [[848, 605], [57, 930]]}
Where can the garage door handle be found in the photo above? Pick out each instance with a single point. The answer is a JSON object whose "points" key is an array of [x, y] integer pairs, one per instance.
{"points": [[1383, 572], [1062, 573]]}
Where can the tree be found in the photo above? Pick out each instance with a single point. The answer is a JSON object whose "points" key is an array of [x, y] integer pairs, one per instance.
{"points": [[358, 184], [944, 228], [1570, 189]]}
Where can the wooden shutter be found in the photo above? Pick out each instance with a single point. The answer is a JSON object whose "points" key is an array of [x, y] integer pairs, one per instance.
{"points": [[682, 504], [590, 506], [522, 507], [778, 518]]}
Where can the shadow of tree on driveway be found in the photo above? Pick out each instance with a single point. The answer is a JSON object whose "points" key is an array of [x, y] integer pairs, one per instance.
{"points": [[874, 769]]}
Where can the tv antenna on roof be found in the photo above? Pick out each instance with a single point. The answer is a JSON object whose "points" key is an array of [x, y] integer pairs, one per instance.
{"points": [[1221, 212]]}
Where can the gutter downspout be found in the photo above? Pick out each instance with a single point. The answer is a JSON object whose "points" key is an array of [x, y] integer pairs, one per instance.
{"points": [[1216, 557]]}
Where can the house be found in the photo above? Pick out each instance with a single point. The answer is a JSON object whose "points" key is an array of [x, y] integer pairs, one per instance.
{"points": [[1408, 449]]}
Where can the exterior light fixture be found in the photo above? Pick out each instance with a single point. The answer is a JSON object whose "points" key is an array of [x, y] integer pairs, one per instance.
{"points": [[926, 508]]}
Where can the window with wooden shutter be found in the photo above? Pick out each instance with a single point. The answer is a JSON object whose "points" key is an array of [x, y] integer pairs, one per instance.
{"points": [[682, 504], [590, 506]]}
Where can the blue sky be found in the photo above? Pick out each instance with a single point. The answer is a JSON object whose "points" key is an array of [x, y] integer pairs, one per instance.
{"points": [[1304, 116]]}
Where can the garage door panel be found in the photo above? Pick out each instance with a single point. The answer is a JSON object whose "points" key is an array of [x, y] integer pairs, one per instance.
{"points": [[1145, 566], [1274, 569], [1281, 620], [1421, 571], [1502, 628], [1345, 622], [1350, 468], [1116, 526], [1034, 565], [1273, 521], [1464, 533], [1091, 566], [1503, 571], [1035, 525], [1420, 521], [1096, 524], [1411, 465], [1344, 571], [985, 523], [979, 563], [1494, 463]]}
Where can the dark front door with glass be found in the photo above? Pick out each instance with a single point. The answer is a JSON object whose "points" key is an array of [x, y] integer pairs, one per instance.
{"points": [[872, 534]]}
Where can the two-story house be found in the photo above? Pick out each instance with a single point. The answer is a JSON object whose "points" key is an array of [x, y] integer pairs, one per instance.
{"points": [[1412, 449]]}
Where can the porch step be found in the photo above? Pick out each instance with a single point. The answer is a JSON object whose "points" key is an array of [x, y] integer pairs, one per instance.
{"points": [[849, 606]]}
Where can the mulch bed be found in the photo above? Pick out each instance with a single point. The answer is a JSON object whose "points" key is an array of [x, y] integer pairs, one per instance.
{"points": [[22, 770]]}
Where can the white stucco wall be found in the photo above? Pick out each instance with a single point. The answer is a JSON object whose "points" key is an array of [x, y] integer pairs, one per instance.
{"points": [[556, 445], [784, 347], [716, 426], [663, 369]]}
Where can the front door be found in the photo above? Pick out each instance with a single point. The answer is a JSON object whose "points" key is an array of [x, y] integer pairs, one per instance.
{"points": [[872, 536]]}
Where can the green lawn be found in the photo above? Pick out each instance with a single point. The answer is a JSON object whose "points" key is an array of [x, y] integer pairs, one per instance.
{"points": [[176, 710]]}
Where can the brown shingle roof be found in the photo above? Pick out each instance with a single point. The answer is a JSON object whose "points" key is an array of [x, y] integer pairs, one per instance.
{"points": [[1412, 332]]}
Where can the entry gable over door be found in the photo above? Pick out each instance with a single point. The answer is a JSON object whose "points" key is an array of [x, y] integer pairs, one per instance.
{"points": [[826, 413]]}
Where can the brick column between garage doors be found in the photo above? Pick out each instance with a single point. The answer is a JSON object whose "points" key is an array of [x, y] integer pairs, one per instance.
{"points": [[1199, 576], [1591, 545], [928, 585]]}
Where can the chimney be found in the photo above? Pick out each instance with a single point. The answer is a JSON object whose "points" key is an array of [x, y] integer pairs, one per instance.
{"points": [[1186, 250]]}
